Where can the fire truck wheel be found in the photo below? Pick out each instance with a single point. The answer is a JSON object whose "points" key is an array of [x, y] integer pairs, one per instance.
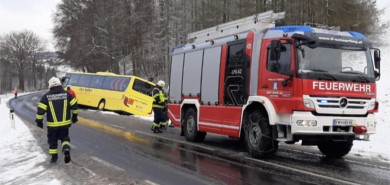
{"points": [[190, 127], [258, 136], [335, 149], [102, 104]]}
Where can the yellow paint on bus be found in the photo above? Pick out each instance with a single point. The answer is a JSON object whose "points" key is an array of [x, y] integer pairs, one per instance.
{"points": [[108, 91]]}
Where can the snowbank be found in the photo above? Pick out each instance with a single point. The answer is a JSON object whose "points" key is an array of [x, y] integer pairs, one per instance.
{"points": [[22, 161]]}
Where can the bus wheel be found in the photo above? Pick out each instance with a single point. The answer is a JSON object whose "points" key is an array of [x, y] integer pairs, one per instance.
{"points": [[335, 149], [102, 104], [258, 136], [190, 127]]}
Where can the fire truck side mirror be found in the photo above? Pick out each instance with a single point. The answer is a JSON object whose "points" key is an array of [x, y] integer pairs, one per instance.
{"points": [[377, 58], [377, 63], [276, 49]]}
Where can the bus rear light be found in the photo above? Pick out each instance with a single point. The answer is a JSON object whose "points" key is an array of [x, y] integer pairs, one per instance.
{"points": [[360, 130], [125, 101]]}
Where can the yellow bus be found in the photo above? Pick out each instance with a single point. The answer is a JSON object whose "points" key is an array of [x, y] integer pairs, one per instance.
{"points": [[108, 91]]}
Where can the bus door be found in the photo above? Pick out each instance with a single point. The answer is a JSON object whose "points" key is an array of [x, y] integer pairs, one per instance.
{"points": [[84, 93], [96, 90]]}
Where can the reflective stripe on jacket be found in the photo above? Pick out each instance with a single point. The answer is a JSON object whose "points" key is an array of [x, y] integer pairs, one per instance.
{"points": [[158, 98], [58, 105]]}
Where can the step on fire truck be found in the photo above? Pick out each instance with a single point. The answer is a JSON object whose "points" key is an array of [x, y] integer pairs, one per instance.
{"points": [[263, 84]]}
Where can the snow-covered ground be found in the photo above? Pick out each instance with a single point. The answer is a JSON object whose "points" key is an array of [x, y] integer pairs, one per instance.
{"points": [[378, 146], [22, 161]]}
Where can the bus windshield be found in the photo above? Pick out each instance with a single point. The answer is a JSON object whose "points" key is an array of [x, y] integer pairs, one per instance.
{"points": [[341, 63]]}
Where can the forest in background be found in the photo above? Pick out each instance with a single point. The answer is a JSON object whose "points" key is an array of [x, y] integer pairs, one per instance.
{"points": [[136, 37]]}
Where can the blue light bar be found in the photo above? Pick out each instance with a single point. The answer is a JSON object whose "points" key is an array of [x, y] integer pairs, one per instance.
{"points": [[288, 29], [324, 101], [356, 35]]}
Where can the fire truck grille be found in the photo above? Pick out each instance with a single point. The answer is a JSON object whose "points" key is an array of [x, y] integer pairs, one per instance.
{"points": [[341, 102]]}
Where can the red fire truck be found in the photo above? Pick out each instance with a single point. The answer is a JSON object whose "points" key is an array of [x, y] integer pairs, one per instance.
{"points": [[265, 84]]}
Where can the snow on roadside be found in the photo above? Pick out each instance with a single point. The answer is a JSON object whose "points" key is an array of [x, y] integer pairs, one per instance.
{"points": [[22, 161], [378, 146]]}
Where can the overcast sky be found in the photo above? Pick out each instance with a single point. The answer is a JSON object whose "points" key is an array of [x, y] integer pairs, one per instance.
{"points": [[36, 15]]}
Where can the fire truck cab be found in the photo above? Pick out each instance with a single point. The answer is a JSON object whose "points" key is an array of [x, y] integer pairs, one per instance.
{"points": [[264, 84]]}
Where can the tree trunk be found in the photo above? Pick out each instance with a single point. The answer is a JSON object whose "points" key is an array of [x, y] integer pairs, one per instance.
{"points": [[21, 78]]}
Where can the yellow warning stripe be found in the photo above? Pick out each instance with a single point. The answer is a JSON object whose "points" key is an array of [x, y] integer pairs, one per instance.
{"points": [[114, 131], [53, 113]]}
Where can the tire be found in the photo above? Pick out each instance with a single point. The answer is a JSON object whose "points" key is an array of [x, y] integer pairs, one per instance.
{"points": [[258, 135], [335, 149], [102, 105], [190, 126]]}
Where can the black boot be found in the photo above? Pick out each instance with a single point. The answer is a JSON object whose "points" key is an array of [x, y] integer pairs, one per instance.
{"points": [[156, 130], [67, 158], [54, 158]]}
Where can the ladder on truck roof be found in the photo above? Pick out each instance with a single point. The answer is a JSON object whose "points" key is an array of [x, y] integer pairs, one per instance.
{"points": [[259, 21]]}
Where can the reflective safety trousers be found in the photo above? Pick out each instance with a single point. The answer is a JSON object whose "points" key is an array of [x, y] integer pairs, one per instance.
{"points": [[59, 105]]}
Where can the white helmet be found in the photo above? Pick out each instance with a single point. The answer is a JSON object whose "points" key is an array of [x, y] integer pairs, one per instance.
{"points": [[54, 81], [161, 83]]}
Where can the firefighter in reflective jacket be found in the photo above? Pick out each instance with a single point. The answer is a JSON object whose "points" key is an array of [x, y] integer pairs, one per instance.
{"points": [[158, 106], [164, 124], [62, 109]]}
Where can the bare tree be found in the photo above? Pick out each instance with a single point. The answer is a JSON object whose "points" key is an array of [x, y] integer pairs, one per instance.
{"points": [[21, 48]]}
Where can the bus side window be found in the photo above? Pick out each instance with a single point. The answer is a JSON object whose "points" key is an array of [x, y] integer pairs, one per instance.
{"points": [[142, 87], [74, 78], [149, 88], [65, 80], [96, 82], [84, 80], [124, 83], [107, 83]]}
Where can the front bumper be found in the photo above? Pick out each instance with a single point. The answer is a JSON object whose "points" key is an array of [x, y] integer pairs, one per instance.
{"points": [[325, 124]]}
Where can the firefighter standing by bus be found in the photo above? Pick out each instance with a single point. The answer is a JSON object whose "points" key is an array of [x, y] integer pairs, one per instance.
{"points": [[164, 123], [158, 106], [61, 110]]}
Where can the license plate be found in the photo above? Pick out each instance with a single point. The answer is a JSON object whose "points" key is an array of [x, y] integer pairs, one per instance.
{"points": [[343, 122]]}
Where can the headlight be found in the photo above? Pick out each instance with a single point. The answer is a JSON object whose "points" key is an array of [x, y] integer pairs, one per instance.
{"points": [[307, 123], [371, 106], [308, 103]]}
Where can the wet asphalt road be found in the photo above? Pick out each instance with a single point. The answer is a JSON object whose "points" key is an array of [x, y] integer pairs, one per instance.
{"points": [[128, 149]]}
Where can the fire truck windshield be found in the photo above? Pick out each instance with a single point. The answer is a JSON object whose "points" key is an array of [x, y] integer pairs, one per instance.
{"points": [[337, 63]]}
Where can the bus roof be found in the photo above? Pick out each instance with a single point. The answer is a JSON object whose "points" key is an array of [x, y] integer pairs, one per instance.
{"points": [[111, 74]]}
